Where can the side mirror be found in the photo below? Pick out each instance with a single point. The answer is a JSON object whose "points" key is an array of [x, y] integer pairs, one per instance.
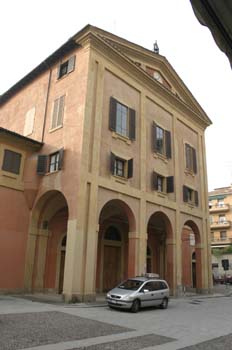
{"points": [[145, 291]]}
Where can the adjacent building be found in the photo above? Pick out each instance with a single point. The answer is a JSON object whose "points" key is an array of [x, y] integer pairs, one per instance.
{"points": [[102, 172], [220, 201]]}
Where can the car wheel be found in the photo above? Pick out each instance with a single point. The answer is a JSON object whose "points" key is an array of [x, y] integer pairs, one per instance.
{"points": [[135, 306], [164, 304]]}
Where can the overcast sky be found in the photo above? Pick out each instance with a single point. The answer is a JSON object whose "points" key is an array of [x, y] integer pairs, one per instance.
{"points": [[30, 30]]}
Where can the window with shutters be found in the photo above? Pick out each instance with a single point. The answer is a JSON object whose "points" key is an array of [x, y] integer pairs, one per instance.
{"points": [[190, 196], [121, 167], [11, 161], [122, 119], [162, 184], [161, 141], [50, 163], [190, 158], [66, 67], [58, 112]]}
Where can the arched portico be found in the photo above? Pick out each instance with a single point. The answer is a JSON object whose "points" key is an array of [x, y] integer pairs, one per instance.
{"points": [[116, 252], [160, 247], [48, 226], [191, 256]]}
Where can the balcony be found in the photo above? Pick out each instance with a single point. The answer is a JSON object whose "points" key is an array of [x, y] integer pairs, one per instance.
{"points": [[222, 240], [221, 208], [220, 224]]}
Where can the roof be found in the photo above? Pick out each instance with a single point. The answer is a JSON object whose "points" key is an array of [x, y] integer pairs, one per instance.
{"points": [[27, 140], [217, 16], [121, 47], [220, 193], [67, 47]]}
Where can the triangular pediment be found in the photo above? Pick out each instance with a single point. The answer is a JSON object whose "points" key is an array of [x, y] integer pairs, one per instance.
{"points": [[156, 66]]}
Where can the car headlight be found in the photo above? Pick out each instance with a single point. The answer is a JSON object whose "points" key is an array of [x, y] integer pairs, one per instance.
{"points": [[128, 298], [108, 295]]}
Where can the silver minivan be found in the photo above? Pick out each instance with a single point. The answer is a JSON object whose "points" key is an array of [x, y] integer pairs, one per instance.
{"points": [[139, 292]]}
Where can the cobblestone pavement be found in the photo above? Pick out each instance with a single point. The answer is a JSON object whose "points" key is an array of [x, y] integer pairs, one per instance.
{"points": [[190, 323]]}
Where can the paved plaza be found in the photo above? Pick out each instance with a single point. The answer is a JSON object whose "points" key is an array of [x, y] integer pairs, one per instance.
{"points": [[190, 323]]}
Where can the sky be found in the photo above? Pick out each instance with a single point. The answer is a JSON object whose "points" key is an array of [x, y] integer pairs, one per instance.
{"points": [[30, 30]]}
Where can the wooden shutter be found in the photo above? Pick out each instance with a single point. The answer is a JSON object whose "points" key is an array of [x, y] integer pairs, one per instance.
{"points": [[168, 144], [185, 194], [196, 198], [112, 162], [170, 184], [130, 168], [61, 156], [132, 124], [154, 140], [55, 113], [194, 160], [60, 111], [71, 64], [42, 164], [154, 180], [112, 115]]}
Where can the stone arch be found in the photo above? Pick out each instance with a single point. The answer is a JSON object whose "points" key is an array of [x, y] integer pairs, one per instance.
{"points": [[113, 256], [191, 248], [48, 223], [160, 239]]}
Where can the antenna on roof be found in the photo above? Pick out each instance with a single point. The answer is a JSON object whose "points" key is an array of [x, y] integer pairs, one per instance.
{"points": [[156, 47]]}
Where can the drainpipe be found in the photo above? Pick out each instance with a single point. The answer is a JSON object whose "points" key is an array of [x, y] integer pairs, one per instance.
{"points": [[46, 102]]}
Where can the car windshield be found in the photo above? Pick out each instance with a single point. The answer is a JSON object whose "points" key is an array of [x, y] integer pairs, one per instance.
{"points": [[131, 284]]}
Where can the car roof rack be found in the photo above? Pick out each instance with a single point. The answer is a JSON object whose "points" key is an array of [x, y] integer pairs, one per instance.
{"points": [[149, 275]]}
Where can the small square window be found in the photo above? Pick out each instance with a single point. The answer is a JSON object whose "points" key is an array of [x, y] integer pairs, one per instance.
{"points": [[66, 67], [119, 167], [11, 161]]}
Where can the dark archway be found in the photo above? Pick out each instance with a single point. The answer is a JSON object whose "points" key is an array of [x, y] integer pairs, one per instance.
{"points": [[191, 257], [160, 241], [48, 223], [116, 220]]}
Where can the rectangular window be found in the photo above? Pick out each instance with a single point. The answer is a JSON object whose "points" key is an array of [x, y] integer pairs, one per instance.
{"points": [[58, 112], [190, 196], [54, 162], [121, 167], [162, 184], [50, 163], [190, 156], [222, 218], [11, 161], [66, 67], [122, 119], [220, 203], [161, 142], [223, 235]]}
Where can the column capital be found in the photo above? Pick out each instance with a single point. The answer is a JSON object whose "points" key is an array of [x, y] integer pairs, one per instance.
{"points": [[133, 235]]}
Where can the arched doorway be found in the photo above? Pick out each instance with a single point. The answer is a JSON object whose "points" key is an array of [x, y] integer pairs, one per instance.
{"points": [[160, 235], [116, 220], [46, 242], [191, 257], [112, 261]]}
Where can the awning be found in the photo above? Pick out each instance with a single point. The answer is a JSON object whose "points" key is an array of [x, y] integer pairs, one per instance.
{"points": [[217, 16]]}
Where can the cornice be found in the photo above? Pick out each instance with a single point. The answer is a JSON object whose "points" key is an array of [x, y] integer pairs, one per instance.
{"points": [[100, 45]]}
